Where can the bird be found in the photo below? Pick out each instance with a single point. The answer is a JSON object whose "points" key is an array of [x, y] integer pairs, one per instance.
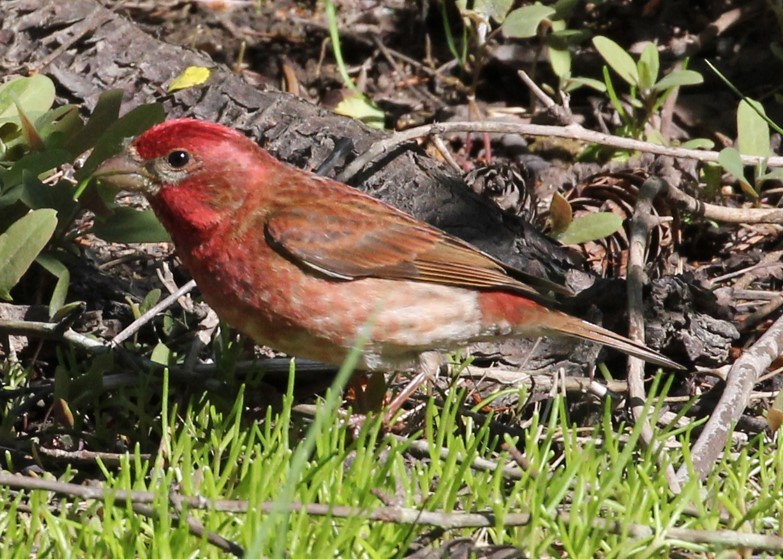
{"points": [[308, 265]]}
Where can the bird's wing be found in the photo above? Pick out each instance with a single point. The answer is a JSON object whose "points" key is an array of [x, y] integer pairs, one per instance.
{"points": [[366, 238]]}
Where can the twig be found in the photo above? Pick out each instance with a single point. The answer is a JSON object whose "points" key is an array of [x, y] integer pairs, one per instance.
{"points": [[667, 109], [641, 224], [89, 456], [722, 213], [771, 262], [398, 515], [742, 377], [539, 93], [562, 114], [759, 266], [195, 528], [716, 28], [520, 459], [423, 448], [440, 145], [53, 330], [572, 131], [760, 314], [754, 294], [49, 330], [543, 382], [165, 303]]}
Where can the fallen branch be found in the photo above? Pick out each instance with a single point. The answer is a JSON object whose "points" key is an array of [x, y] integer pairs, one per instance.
{"points": [[743, 375], [572, 131], [722, 213], [731, 539], [642, 223], [148, 316]]}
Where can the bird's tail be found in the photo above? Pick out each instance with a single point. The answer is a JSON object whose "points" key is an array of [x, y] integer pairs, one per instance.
{"points": [[577, 328]]}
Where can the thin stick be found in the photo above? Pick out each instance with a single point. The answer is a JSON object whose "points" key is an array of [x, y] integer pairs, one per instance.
{"points": [[641, 224], [572, 131], [743, 375], [400, 515], [137, 324]]}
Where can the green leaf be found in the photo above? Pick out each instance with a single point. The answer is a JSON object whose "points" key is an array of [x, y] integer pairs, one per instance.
{"points": [[111, 141], [34, 164], [679, 78], [68, 312], [636, 103], [575, 83], [162, 354], [493, 9], [35, 95], [566, 37], [62, 381], [564, 8], [730, 159], [752, 129], [648, 66], [523, 22], [591, 227], [20, 245], [36, 195], [619, 60], [655, 137], [105, 113], [698, 143], [150, 300], [334, 36], [89, 386], [59, 125], [52, 265], [560, 59], [29, 132], [774, 174], [8, 202], [614, 99], [711, 175], [127, 225], [361, 108]]}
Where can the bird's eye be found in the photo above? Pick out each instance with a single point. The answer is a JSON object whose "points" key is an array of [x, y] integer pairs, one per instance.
{"points": [[178, 158]]}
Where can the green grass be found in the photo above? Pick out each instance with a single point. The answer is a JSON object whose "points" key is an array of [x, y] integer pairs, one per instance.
{"points": [[574, 489]]}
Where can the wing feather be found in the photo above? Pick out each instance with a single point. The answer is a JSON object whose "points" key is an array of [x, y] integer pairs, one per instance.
{"points": [[367, 238]]}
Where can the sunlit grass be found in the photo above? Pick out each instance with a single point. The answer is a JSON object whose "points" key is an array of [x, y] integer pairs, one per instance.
{"points": [[585, 495]]}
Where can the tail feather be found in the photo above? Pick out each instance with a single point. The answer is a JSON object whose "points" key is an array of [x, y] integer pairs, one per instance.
{"points": [[576, 328]]}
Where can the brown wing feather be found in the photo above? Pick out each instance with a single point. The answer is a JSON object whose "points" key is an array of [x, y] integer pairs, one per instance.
{"points": [[366, 238]]}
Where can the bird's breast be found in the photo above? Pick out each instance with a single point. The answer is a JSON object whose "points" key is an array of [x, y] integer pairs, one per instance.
{"points": [[280, 304]]}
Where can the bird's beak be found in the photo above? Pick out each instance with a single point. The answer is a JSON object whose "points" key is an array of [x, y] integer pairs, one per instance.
{"points": [[126, 172]]}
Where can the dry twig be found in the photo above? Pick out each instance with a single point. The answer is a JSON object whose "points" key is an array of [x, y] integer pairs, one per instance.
{"points": [[573, 131], [399, 515], [641, 224], [743, 375]]}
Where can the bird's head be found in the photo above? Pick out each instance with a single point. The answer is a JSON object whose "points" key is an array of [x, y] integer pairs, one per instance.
{"points": [[194, 173]]}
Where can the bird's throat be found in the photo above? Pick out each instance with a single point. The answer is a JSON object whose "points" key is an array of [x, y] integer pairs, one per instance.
{"points": [[189, 219]]}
